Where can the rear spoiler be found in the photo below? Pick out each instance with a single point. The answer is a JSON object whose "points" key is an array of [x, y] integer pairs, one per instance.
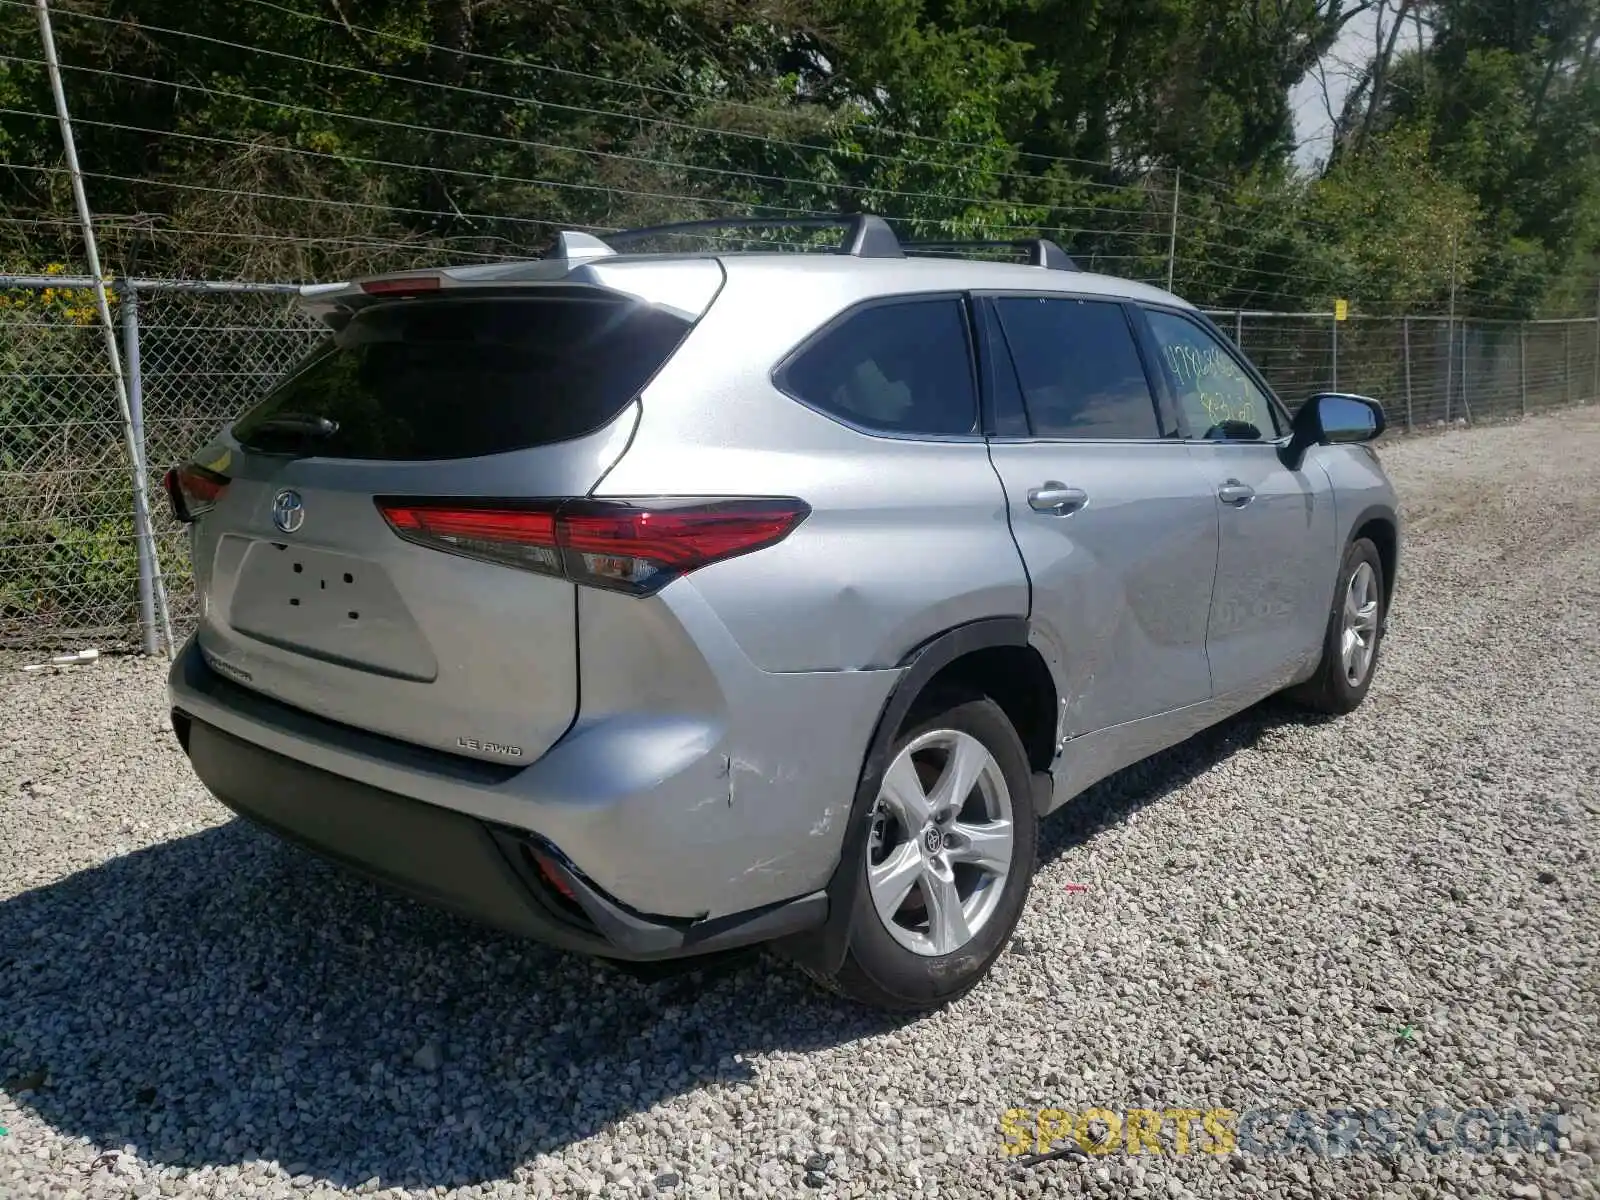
{"points": [[575, 260]]}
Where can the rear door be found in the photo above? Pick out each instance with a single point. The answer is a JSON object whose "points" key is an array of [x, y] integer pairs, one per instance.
{"points": [[309, 596], [1116, 524], [1277, 547]]}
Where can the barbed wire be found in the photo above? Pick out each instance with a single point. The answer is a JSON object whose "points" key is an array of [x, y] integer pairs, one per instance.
{"points": [[721, 102], [146, 225], [531, 102], [543, 223], [634, 117], [500, 177], [1201, 253], [1060, 231]]}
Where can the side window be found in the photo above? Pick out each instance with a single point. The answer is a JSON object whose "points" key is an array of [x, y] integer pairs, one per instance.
{"points": [[1217, 398], [1079, 368], [901, 367]]}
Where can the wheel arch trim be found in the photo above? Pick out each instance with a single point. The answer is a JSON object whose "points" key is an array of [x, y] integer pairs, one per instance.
{"points": [[824, 950], [1386, 515]]}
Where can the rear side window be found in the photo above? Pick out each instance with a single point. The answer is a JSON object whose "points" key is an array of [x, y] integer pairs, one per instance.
{"points": [[459, 378], [1079, 368], [900, 367]]}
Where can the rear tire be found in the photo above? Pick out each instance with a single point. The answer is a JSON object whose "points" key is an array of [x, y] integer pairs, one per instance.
{"points": [[947, 868], [1353, 637]]}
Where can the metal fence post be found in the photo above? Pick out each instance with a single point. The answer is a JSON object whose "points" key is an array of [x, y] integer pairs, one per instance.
{"points": [[1566, 374], [1466, 339], [1335, 385], [1450, 334], [1522, 364], [1238, 336], [97, 279], [1405, 350], [1172, 244], [1449, 365], [142, 533]]}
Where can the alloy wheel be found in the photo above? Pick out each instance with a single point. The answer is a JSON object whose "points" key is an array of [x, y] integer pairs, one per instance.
{"points": [[1358, 638], [941, 845]]}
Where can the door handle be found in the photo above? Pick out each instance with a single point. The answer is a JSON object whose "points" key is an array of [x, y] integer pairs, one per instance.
{"points": [[1056, 498], [1235, 493]]}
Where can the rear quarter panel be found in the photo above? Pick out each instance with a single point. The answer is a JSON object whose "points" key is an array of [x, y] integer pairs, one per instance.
{"points": [[906, 538]]}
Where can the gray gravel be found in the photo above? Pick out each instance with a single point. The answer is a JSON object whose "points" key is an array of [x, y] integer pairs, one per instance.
{"points": [[1397, 909]]}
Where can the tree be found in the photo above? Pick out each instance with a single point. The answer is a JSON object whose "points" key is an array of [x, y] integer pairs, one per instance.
{"points": [[1507, 91], [315, 139]]}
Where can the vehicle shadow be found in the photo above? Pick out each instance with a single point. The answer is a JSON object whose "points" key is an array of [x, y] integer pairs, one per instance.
{"points": [[223, 998]]}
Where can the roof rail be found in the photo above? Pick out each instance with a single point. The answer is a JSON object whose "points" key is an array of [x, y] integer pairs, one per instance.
{"points": [[866, 236], [1042, 252]]}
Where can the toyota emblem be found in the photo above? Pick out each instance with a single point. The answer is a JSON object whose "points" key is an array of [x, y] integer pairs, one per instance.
{"points": [[288, 511]]}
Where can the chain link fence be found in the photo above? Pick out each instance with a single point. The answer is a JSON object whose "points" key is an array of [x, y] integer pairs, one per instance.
{"points": [[1428, 371], [67, 562], [204, 357], [197, 354]]}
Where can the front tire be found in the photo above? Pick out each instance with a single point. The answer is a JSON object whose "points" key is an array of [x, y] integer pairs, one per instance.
{"points": [[1351, 642], [947, 867]]}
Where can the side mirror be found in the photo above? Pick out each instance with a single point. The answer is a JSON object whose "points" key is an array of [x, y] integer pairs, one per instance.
{"points": [[1330, 418]]}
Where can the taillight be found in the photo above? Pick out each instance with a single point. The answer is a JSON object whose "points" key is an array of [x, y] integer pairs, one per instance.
{"points": [[512, 537], [193, 491], [635, 546]]}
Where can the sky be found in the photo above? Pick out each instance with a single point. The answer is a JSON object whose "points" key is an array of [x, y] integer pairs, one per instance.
{"points": [[1311, 125]]}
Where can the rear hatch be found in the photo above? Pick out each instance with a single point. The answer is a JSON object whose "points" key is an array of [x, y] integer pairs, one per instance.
{"points": [[492, 392]]}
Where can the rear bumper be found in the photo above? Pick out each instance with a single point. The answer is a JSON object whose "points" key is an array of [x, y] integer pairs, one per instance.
{"points": [[690, 820], [493, 874]]}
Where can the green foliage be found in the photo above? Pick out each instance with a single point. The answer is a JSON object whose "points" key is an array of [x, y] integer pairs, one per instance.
{"points": [[71, 573], [1508, 92], [308, 139], [1395, 227]]}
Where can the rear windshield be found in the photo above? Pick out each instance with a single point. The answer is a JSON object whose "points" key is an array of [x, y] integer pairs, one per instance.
{"points": [[459, 378]]}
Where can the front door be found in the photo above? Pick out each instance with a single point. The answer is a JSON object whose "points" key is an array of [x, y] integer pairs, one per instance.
{"points": [[1116, 523], [1277, 529]]}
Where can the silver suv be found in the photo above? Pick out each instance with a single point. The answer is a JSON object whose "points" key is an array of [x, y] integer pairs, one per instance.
{"points": [[653, 604]]}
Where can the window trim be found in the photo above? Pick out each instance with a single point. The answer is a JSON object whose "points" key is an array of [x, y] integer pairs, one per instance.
{"points": [[1280, 413], [778, 376], [1168, 430], [984, 315]]}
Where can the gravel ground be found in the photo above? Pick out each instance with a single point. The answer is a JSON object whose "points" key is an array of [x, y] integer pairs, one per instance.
{"points": [[1397, 909]]}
